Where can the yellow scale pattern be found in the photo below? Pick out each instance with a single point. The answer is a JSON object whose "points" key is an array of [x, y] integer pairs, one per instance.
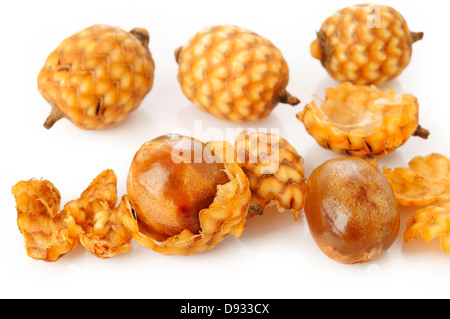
{"points": [[358, 46], [274, 170], [97, 76], [233, 73]]}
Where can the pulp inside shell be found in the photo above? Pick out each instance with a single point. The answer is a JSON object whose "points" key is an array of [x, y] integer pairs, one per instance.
{"points": [[362, 109]]}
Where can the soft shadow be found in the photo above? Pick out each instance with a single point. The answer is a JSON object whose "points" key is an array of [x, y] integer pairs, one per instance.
{"points": [[271, 222], [206, 127]]}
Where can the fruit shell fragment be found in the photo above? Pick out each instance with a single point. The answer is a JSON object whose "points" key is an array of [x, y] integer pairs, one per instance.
{"points": [[42, 225], [225, 216], [430, 222], [275, 172], [95, 219], [426, 181]]}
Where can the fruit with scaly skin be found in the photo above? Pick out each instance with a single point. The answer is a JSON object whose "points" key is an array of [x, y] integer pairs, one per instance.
{"points": [[365, 44], [97, 76], [233, 73]]}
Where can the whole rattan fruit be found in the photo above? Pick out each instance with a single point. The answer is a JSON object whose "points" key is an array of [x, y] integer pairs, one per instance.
{"points": [[364, 44], [363, 121], [233, 73], [183, 198], [351, 210], [97, 76]]}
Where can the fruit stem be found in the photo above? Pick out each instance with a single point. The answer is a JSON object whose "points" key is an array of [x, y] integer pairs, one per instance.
{"points": [[142, 35], [416, 36], [55, 115], [422, 132], [287, 98], [177, 54], [255, 209]]}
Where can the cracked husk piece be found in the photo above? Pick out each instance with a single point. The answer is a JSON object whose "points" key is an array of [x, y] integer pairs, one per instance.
{"points": [[42, 225], [365, 44], [233, 73], [96, 220], [426, 181], [275, 172], [362, 121], [430, 222], [97, 76]]}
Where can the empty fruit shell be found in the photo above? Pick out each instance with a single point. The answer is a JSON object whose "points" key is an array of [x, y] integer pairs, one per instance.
{"points": [[95, 219], [42, 225], [430, 222], [362, 121], [275, 172], [426, 181], [225, 215], [97, 76]]}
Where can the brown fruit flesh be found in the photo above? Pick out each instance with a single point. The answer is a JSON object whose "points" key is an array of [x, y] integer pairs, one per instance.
{"points": [[170, 181], [351, 210]]}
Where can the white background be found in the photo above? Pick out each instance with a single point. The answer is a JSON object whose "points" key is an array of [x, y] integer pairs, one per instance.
{"points": [[275, 257]]}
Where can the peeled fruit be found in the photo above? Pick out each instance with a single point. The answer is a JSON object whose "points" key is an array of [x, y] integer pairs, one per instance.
{"points": [[170, 182], [351, 210], [365, 44], [97, 76], [184, 198], [233, 73], [363, 121]]}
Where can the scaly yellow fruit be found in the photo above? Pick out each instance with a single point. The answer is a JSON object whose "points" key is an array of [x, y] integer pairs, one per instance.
{"points": [[365, 44], [97, 76], [362, 121], [233, 73]]}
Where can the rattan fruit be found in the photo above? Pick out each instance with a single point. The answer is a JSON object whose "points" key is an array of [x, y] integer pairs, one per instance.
{"points": [[426, 181], [97, 76], [362, 121], [365, 44], [183, 198], [42, 225], [275, 172], [351, 210], [233, 73], [430, 222]]}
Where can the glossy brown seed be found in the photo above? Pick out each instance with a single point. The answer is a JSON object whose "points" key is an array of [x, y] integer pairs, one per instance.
{"points": [[351, 210], [171, 179]]}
